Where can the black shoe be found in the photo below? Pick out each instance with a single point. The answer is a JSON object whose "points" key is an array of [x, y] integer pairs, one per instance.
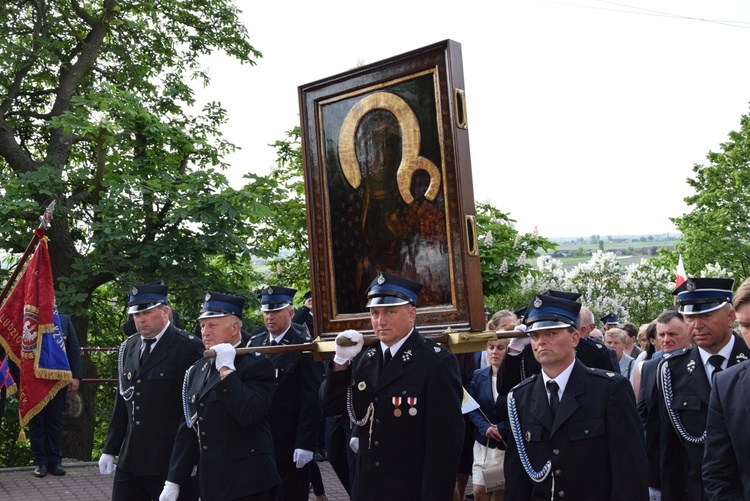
{"points": [[40, 471], [56, 469]]}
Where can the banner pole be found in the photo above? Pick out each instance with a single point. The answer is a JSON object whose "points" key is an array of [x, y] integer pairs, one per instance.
{"points": [[44, 224]]}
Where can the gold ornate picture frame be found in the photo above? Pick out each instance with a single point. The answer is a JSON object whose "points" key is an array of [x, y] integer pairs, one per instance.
{"points": [[388, 186]]}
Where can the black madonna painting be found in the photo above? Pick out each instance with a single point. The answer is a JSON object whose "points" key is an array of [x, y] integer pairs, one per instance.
{"points": [[381, 171]]}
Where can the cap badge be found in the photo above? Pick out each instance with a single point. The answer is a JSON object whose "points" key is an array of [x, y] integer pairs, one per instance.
{"points": [[269, 291], [690, 285], [134, 291], [537, 302], [691, 366], [208, 296], [381, 279]]}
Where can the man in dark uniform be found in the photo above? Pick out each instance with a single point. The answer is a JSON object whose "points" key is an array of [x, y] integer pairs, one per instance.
{"points": [[726, 462], [148, 407], [685, 379], [404, 393], [225, 428], [46, 428], [295, 411], [570, 415], [519, 361], [672, 332]]}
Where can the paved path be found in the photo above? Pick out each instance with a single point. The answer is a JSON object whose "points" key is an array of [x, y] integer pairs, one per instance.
{"points": [[84, 483]]}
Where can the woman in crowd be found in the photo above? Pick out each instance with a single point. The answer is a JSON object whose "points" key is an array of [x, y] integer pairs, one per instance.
{"points": [[651, 345], [491, 420]]}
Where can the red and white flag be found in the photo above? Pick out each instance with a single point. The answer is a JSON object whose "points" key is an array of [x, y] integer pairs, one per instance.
{"points": [[681, 275]]}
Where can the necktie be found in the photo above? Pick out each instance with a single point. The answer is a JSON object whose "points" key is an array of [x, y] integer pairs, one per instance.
{"points": [[146, 349], [274, 343], [554, 399], [716, 361], [385, 360]]}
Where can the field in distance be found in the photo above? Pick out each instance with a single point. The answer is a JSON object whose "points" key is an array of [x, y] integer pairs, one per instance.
{"points": [[629, 249]]}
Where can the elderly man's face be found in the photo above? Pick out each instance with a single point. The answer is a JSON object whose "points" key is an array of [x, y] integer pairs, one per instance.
{"points": [[220, 330], [615, 343]]}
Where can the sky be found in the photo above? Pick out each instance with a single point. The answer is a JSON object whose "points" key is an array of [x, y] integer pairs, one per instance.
{"points": [[585, 117]]}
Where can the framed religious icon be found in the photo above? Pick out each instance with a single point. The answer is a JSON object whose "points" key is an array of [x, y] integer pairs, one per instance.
{"points": [[389, 189]]}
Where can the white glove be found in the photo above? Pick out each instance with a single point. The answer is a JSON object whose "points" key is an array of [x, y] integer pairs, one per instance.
{"points": [[354, 444], [170, 492], [224, 355], [107, 464], [346, 353], [517, 344], [302, 457], [654, 494]]}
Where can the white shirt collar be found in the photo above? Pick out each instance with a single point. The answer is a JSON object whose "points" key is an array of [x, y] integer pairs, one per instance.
{"points": [[396, 346], [561, 379], [155, 338], [725, 352], [280, 336]]}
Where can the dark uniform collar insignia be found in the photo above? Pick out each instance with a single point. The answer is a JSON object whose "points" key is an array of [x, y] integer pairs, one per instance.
{"points": [[690, 366]]}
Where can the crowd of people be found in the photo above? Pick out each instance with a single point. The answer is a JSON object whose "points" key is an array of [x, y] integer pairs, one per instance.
{"points": [[196, 419]]}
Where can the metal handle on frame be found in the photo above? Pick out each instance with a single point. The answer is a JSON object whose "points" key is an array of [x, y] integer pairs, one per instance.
{"points": [[460, 103], [471, 236]]}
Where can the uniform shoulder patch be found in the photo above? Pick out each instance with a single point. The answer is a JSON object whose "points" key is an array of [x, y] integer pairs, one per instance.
{"points": [[525, 382], [611, 375], [675, 353]]}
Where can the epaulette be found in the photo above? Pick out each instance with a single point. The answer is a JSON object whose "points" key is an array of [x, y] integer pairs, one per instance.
{"points": [[611, 375], [258, 335], [432, 347], [525, 382], [675, 353], [188, 335], [594, 344]]}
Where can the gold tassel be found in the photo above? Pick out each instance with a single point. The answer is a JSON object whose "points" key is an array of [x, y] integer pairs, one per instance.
{"points": [[21, 436]]}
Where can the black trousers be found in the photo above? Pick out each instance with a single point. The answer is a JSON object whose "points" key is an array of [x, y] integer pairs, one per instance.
{"points": [[129, 487], [45, 431]]}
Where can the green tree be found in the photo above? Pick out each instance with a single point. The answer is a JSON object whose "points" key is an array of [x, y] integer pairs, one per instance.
{"points": [[505, 257], [95, 114], [717, 228]]}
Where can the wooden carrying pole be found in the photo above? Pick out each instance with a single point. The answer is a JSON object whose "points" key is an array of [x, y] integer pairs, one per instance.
{"points": [[316, 346]]}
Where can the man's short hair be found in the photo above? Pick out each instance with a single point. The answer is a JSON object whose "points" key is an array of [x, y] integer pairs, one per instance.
{"points": [[667, 315], [742, 296], [618, 333], [630, 329]]}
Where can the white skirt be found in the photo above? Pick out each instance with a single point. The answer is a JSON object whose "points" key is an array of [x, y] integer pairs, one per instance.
{"points": [[484, 457]]}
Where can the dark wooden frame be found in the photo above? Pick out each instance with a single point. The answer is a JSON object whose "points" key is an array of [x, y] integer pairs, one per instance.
{"points": [[359, 208]]}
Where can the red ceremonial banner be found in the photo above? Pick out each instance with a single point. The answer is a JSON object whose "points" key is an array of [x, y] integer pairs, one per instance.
{"points": [[32, 337]]}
